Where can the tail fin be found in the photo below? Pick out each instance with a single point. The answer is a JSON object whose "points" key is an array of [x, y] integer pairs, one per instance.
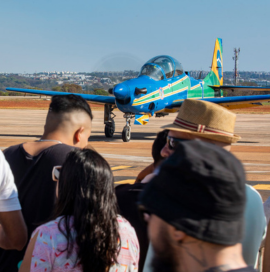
{"points": [[215, 77]]}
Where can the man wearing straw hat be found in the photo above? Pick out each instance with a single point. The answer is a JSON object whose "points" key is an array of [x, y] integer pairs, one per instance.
{"points": [[212, 123]]}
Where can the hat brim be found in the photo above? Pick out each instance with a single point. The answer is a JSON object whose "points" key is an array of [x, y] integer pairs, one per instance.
{"points": [[208, 135], [193, 224]]}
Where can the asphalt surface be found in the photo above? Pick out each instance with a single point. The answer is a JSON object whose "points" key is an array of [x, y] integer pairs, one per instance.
{"points": [[128, 159]]}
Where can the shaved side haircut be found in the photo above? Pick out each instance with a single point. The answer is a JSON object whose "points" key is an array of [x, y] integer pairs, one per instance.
{"points": [[69, 103]]}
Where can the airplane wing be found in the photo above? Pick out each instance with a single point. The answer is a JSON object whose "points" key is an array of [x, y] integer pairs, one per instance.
{"points": [[99, 99], [240, 88], [238, 102], [233, 102]]}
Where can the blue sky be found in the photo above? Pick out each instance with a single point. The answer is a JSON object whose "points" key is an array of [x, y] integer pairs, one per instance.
{"points": [[86, 35]]}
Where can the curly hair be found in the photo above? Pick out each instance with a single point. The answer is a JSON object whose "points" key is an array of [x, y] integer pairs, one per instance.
{"points": [[87, 203]]}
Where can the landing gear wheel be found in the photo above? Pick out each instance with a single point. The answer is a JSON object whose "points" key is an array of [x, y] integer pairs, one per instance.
{"points": [[110, 129], [126, 134]]}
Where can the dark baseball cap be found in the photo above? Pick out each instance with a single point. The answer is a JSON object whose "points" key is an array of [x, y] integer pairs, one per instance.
{"points": [[200, 190]]}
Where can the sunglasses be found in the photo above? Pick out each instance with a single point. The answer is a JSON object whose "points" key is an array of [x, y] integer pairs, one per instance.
{"points": [[56, 173], [173, 143]]}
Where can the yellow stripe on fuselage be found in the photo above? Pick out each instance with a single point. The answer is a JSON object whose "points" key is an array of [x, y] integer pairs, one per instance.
{"points": [[158, 97], [196, 86]]}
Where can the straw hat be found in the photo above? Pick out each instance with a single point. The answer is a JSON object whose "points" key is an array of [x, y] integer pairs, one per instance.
{"points": [[205, 119]]}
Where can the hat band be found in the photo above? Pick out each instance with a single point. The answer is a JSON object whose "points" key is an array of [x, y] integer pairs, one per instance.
{"points": [[199, 128]]}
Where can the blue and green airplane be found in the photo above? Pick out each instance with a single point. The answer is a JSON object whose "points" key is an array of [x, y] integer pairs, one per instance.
{"points": [[161, 88]]}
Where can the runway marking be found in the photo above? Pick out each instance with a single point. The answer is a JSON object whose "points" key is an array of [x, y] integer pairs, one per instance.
{"points": [[120, 167], [265, 187], [255, 164], [128, 157], [130, 181], [257, 172]]}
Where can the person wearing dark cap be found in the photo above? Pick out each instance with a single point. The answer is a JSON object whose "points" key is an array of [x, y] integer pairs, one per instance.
{"points": [[196, 205], [212, 123]]}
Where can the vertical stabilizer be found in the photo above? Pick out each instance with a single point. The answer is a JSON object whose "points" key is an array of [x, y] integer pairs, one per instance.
{"points": [[215, 77]]}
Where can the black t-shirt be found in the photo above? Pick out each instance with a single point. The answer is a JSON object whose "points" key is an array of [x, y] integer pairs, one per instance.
{"points": [[127, 198], [36, 189]]}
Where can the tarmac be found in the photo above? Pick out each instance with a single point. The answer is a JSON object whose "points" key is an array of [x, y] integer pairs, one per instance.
{"points": [[128, 159]]}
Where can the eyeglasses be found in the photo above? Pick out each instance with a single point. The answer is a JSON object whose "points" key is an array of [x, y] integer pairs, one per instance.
{"points": [[56, 173], [173, 143]]}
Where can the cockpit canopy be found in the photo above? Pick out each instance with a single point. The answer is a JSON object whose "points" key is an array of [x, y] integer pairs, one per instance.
{"points": [[162, 67]]}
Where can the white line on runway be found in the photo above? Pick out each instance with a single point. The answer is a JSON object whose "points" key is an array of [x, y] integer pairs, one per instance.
{"points": [[255, 164], [127, 157], [257, 172]]}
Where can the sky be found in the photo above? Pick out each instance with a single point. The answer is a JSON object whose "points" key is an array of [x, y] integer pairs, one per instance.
{"points": [[114, 35]]}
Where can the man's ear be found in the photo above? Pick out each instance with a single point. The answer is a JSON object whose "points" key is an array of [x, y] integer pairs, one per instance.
{"points": [[77, 135], [178, 235]]}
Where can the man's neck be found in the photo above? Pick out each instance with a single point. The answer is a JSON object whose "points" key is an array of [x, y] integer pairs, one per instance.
{"points": [[201, 256], [50, 139], [56, 137]]}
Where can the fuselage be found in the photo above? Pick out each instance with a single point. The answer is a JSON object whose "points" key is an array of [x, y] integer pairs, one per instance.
{"points": [[167, 85]]}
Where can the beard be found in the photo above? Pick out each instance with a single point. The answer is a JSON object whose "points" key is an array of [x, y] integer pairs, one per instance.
{"points": [[164, 259], [164, 264]]}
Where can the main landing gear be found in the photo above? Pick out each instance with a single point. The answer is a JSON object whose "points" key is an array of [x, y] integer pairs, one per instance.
{"points": [[126, 133], [109, 120]]}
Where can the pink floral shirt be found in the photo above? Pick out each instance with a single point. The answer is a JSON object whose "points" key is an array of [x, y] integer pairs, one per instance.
{"points": [[47, 255]]}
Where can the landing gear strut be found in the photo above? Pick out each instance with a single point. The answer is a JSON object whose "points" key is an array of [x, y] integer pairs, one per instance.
{"points": [[126, 133], [108, 120]]}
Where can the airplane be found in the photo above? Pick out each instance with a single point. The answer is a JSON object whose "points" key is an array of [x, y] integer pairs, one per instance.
{"points": [[160, 88]]}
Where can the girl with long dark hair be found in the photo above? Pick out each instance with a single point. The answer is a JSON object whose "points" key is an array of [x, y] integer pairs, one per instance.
{"points": [[86, 233]]}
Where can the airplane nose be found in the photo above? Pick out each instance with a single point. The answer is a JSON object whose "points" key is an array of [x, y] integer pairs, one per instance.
{"points": [[121, 91]]}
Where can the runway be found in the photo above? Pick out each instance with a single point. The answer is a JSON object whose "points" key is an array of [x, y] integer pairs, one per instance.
{"points": [[128, 159]]}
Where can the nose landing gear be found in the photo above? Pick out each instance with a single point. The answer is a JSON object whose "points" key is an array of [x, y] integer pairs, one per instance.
{"points": [[110, 124], [126, 133]]}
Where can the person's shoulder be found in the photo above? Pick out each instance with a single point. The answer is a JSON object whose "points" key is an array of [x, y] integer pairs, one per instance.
{"points": [[57, 154], [253, 194], [12, 149], [124, 224], [2, 157], [50, 225], [126, 231], [48, 228], [62, 148]]}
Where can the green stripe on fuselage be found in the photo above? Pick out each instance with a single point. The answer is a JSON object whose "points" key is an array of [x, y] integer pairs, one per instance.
{"points": [[166, 91]]}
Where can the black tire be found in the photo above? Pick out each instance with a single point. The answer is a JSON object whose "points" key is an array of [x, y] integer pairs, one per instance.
{"points": [[126, 134], [109, 129]]}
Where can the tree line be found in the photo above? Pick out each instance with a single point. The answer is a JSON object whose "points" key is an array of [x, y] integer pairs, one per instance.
{"points": [[14, 81]]}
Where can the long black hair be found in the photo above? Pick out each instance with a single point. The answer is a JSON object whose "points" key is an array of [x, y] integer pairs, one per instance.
{"points": [[86, 200]]}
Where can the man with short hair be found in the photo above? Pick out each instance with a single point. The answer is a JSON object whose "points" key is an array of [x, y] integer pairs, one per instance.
{"points": [[68, 125], [196, 206]]}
